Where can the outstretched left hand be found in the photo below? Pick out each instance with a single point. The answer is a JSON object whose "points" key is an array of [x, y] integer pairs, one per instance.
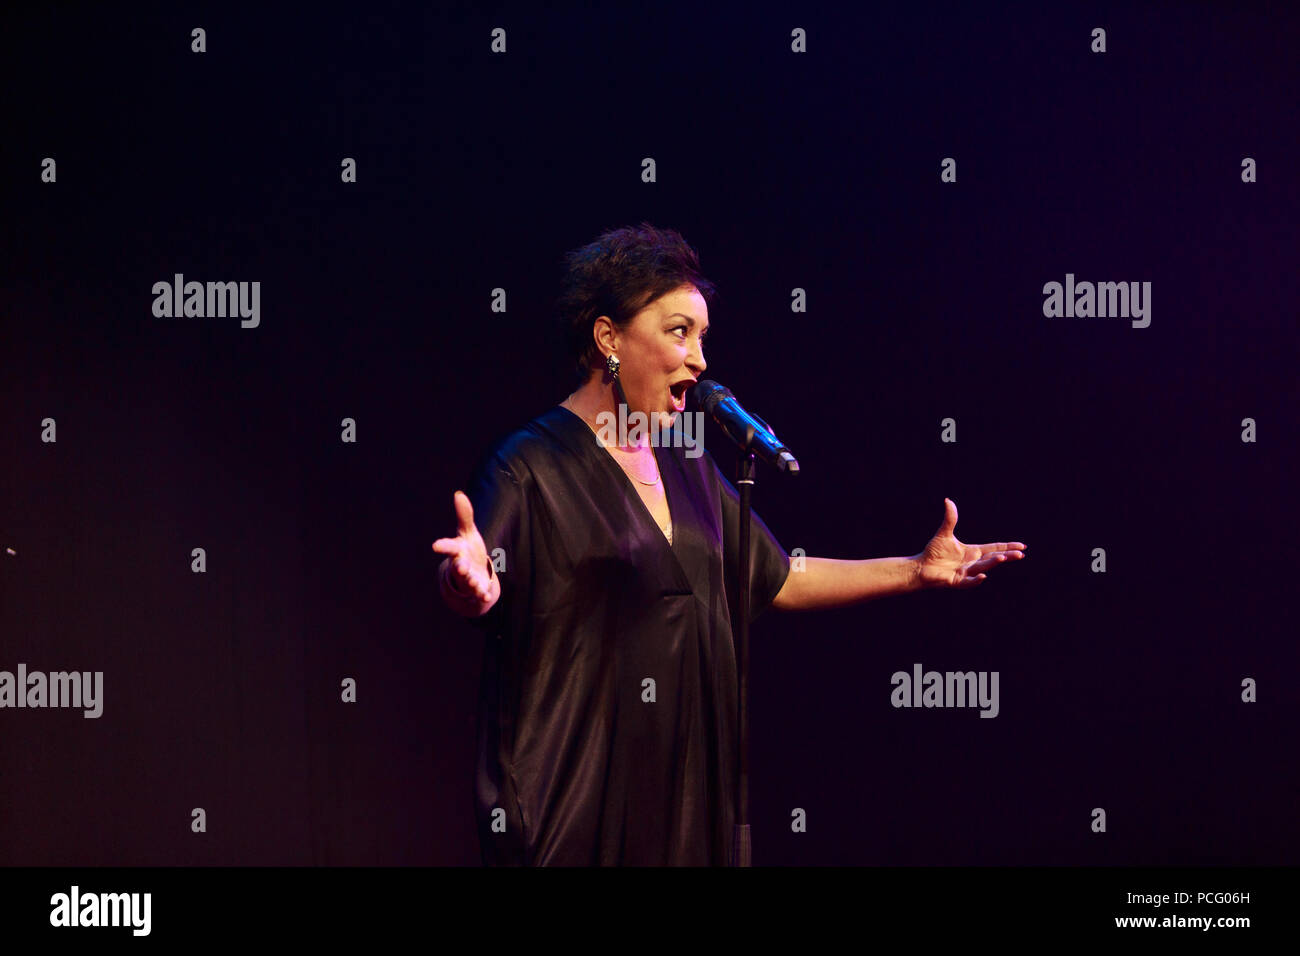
{"points": [[947, 563]]}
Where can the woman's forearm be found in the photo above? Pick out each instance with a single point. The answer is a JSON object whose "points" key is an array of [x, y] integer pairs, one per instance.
{"points": [[830, 582]]}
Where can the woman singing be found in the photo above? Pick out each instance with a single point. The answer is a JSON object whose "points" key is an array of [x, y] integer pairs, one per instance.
{"points": [[607, 723]]}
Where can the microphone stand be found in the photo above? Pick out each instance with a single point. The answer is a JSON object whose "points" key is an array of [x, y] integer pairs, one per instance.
{"points": [[740, 843], [741, 427]]}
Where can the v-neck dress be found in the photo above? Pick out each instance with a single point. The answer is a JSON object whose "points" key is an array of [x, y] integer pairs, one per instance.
{"points": [[608, 703]]}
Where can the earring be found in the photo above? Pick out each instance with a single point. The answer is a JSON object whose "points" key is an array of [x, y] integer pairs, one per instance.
{"points": [[611, 364]]}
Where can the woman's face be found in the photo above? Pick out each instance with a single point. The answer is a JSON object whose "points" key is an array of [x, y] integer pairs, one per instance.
{"points": [[661, 353]]}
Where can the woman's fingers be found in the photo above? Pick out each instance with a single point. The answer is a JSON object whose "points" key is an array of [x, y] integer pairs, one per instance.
{"points": [[465, 577], [470, 567], [1002, 546], [449, 545], [466, 552], [464, 512], [992, 560], [476, 581]]}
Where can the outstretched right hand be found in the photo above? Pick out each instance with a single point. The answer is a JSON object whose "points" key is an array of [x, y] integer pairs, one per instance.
{"points": [[469, 573]]}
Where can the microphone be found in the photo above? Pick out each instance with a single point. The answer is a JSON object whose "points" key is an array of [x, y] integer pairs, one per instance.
{"points": [[746, 429]]}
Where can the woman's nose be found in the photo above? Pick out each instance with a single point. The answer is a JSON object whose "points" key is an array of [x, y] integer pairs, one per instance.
{"points": [[695, 361]]}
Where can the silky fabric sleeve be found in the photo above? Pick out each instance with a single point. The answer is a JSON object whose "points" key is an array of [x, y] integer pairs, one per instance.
{"points": [[497, 492], [769, 565]]}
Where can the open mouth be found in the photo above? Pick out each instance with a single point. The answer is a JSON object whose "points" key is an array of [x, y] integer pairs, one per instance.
{"points": [[677, 394]]}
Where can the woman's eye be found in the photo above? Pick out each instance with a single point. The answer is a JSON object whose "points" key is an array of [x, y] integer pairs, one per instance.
{"points": [[681, 329]]}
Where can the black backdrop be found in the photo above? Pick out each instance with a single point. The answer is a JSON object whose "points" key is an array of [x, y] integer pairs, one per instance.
{"points": [[819, 171]]}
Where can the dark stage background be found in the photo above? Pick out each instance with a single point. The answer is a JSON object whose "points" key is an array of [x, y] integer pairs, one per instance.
{"points": [[818, 171]]}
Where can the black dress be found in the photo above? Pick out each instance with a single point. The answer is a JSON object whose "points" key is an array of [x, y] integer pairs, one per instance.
{"points": [[608, 706]]}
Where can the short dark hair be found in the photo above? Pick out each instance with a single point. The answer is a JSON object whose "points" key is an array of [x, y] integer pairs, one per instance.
{"points": [[618, 275]]}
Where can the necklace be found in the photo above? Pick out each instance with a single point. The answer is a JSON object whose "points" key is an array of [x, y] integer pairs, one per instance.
{"points": [[658, 477]]}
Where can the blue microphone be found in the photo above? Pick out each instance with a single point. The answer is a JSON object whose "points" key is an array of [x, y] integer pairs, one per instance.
{"points": [[746, 429]]}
